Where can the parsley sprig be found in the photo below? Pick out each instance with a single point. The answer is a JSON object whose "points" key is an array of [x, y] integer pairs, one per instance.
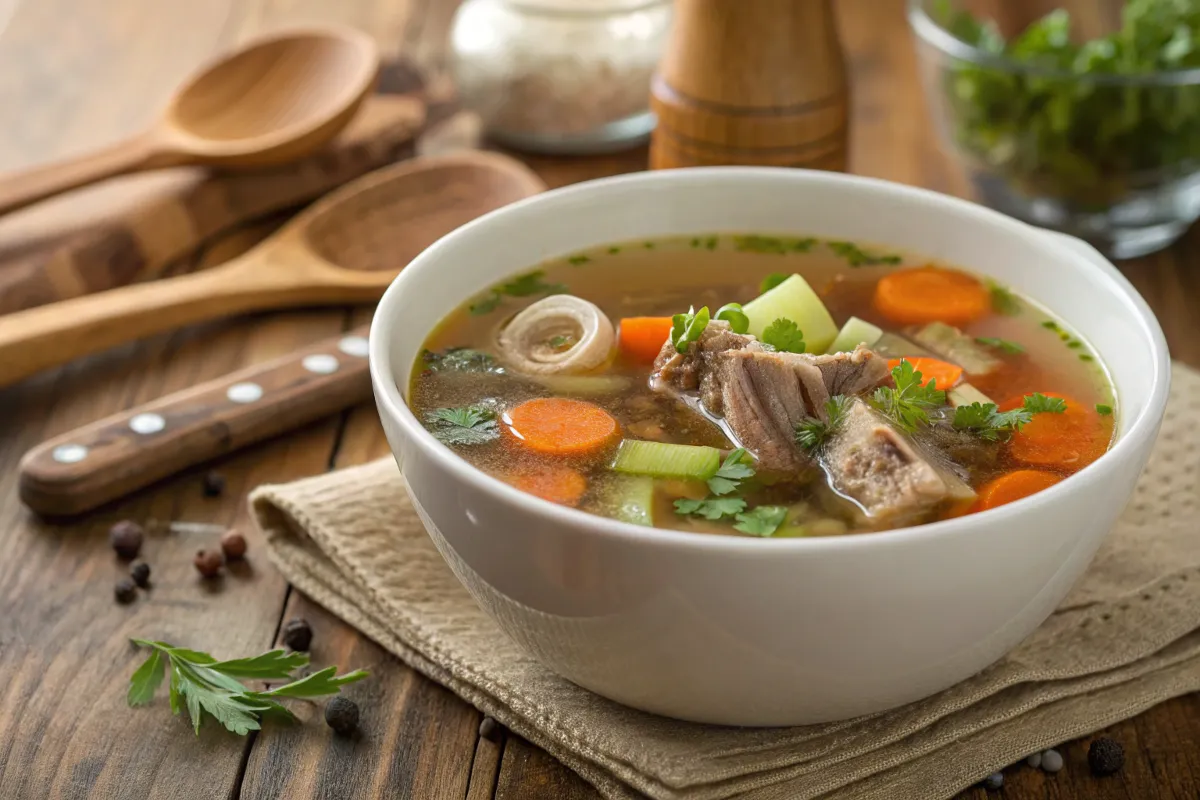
{"points": [[203, 684], [908, 405], [813, 433], [735, 469], [463, 426], [761, 521], [784, 335], [713, 508], [989, 423]]}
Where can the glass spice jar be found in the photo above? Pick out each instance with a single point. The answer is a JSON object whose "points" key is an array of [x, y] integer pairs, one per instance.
{"points": [[560, 76]]}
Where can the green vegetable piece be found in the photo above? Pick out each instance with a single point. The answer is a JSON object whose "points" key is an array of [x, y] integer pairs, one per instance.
{"points": [[965, 394], [908, 404], [736, 468], [663, 460], [785, 336], [1103, 410], [771, 281], [761, 521], [733, 314], [1010, 347], [713, 508], [686, 328], [460, 359], [1003, 300], [854, 333], [1038, 403], [469, 425], [630, 498], [795, 300], [855, 256]]}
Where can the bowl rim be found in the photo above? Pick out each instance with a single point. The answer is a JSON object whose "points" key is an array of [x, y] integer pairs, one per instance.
{"points": [[932, 33], [1142, 428]]}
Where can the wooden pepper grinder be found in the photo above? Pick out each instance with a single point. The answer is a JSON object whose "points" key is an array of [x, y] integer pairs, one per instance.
{"points": [[751, 82]]}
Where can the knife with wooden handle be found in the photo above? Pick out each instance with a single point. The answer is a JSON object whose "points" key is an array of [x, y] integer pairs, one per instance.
{"points": [[102, 461]]}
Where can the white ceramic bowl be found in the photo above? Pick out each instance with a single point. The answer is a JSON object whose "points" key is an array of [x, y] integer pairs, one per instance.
{"points": [[751, 631]]}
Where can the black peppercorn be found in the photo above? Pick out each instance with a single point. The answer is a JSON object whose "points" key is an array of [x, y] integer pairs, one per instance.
{"points": [[341, 714], [209, 562], [125, 591], [490, 729], [297, 634], [140, 572], [126, 539], [233, 545], [1106, 756], [214, 484]]}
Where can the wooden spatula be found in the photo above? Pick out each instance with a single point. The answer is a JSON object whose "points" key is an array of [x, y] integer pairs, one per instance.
{"points": [[344, 249]]}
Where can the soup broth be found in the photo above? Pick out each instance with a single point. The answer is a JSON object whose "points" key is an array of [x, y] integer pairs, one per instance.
{"points": [[784, 440]]}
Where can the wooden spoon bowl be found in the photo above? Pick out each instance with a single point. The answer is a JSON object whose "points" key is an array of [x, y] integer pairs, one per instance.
{"points": [[346, 248], [277, 99]]}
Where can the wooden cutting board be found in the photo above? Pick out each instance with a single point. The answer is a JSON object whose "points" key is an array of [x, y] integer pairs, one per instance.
{"points": [[131, 229]]}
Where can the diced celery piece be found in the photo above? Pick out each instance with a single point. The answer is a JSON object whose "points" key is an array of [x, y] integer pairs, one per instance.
{"points": [[793, 299], [953, 345], [964, 394], [855, 332], [662, 460], [630, 498]]}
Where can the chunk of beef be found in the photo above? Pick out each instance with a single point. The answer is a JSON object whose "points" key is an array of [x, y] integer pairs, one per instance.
{"points": [[963, 452], [885, 474], [692, 370]]}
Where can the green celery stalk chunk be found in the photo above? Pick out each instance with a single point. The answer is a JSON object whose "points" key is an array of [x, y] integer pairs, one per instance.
{"points": [[793, 299], [630, 498], [855, 332], [662, 460]]}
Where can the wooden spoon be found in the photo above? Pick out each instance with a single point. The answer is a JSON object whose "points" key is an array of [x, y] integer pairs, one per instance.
{"points": [[346, 248], [277, 99]]}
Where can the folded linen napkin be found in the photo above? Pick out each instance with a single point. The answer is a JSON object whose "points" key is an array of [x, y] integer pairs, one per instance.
{"points": [[1126, 638]]}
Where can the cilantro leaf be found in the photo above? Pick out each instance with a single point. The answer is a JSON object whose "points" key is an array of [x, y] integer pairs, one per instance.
{"points": [[460, 359], [761, 521], [736, 468], [469, 425], [813, 433], [1012, 348], [733, 314], [784, 335], [487, 305], [686, 328], [908, 404], [1038, 403], [710, 508], [1103, 410]]}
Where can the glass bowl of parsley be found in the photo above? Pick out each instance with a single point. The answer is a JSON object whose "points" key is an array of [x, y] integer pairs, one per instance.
{"points": [[1083, 117]]}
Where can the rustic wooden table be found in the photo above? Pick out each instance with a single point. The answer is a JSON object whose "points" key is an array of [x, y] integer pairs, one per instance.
{"points": [[76, 73]]}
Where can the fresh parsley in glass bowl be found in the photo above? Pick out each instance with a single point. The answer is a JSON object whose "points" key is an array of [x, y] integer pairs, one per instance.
{"points": [[1084, 118]]}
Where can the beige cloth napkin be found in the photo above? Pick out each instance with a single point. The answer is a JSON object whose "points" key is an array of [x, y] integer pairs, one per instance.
{"points": [[1126, 638]]}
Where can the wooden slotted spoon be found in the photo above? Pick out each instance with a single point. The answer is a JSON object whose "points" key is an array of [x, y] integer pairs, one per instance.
{"points": [[276, 99], [344, 249]]}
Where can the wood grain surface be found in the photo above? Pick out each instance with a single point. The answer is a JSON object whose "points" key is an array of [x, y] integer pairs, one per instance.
{"points": [[75, 74]]}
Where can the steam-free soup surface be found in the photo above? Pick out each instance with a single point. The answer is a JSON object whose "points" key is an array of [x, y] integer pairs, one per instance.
{"points": [[572, 381]]}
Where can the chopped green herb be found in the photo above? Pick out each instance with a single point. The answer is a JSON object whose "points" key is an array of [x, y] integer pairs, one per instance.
{"points": [[576, 260], [686, 328], [1103, 410], [469, 425], [779, 245], [985, 420], [1050, 325], [648, 245], [710, 508], [460, 359], [855, 256], [487, 305], [202, 684], [695, 242], [1086, 357], [529, 284], [785, 336], [1074, 344], [1012, 348], [612, 251], [908, 404], [711, 243], [736, 468], [771, 281], [1003, 300], [561, 342], [813, 433], [1038, 403], [761, 521], [733, 314], [1066, 337]]}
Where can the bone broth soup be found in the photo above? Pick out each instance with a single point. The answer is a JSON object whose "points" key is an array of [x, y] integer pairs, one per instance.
{"points": [[769, 386]]}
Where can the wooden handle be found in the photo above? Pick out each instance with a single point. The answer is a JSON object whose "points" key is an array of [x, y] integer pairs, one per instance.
{"points": [[140, 244], [20, 189], [44, 337], [753, 82], [100, 462]]}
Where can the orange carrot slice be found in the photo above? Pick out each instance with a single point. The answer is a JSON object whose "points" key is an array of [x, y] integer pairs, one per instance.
{"points": [[931, 294], [558, 426], [641, 338], [557, 484], [946, 374], [1014, 486], [1070, 440]]}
